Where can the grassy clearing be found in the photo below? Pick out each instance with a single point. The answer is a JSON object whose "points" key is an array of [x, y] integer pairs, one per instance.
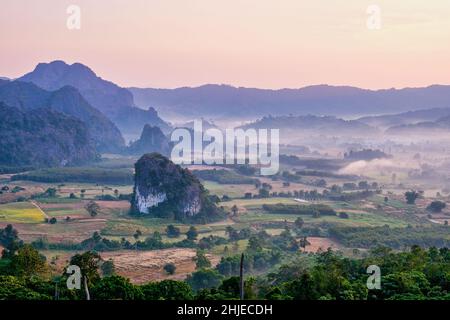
{"points": [[231, 190], [20, 212], [233, 248], [364, 219]]}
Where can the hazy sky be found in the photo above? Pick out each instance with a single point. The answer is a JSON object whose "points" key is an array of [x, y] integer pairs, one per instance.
{"points": [[252, 43]]}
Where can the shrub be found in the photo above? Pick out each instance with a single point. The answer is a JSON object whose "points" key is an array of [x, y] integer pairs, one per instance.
{"points": [[170, 268]]}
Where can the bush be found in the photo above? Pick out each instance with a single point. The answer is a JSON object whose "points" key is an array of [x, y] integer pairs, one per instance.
{"points": [[172, 231], [436, 206], [170, 268], [343, 215]]}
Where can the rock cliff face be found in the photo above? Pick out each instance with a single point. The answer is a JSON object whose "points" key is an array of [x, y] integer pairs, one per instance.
{"points": [[166, 190]]}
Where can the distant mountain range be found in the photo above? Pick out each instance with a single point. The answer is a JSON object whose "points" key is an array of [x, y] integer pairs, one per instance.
{"points": [[413, 123], [227, 101], [27, 96], [43, 137], [113, 101]]}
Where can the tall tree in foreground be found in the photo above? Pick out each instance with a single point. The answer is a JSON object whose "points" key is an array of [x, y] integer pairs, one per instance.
{"points": [[9, 239], [28, 262]]}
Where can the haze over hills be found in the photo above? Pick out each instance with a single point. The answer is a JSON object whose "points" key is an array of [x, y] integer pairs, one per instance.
{"points": [[410, 117], [313, 124], [227, 101], [427, 129], [115, 102], [27, 96], [43, 137]]}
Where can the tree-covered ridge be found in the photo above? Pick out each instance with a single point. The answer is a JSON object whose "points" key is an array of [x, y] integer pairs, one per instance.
{"points": [[67, 100], [108, 98], [43, 137]]}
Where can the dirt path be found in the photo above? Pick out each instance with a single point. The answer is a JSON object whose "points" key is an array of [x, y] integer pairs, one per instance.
{"points": [[34, 203]]}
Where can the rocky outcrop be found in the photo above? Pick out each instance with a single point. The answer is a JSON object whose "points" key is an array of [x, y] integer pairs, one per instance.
{"points": [[152, 140], [166, 190]]}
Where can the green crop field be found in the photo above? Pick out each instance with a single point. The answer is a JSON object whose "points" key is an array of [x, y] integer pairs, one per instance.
{"points": [[20, 212], [249, 203]]}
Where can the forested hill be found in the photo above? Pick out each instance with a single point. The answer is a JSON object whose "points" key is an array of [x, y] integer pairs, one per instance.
{"points": [[27, 96], [43, 137], [112, 100]]}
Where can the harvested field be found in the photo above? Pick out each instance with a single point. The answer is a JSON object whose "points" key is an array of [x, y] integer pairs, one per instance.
{"points": [[317, 243], [145, 266]]}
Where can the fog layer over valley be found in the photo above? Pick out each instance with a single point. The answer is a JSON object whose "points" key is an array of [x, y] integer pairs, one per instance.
{"points": [[87, 174]]}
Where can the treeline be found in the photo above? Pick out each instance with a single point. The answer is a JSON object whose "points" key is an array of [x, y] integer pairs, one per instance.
{"points": [[314, 164], [10, 169], [335, 193], [414, 274], [78, 174], [398, 238], [324, 174], [313, 209], [98, 243]]}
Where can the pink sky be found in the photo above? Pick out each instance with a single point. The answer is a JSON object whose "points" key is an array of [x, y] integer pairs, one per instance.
{"points": [[252, 43]]}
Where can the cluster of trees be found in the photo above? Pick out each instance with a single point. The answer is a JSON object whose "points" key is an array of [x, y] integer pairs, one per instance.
{"points": [[412, 196], [436, 206], [413, 274], [334, 193], [174, 232], [370, 237], [365, 154]]}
